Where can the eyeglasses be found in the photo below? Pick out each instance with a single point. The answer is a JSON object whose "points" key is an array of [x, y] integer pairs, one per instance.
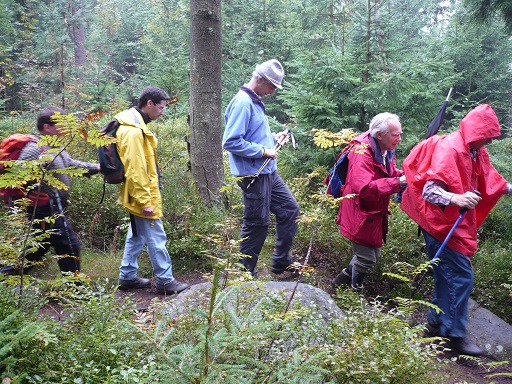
{"points": [[159, 105]]}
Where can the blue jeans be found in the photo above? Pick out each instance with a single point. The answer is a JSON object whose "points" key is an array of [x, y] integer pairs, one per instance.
{"points": [[268, 194], [150, 232], [454, 278]]}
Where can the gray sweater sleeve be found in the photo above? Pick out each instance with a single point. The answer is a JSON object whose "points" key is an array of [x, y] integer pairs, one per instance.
{"points": [[32, 151]]}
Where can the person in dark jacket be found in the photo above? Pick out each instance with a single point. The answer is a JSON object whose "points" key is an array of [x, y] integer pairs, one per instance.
{"points": [[62, 237], [372, 178]]}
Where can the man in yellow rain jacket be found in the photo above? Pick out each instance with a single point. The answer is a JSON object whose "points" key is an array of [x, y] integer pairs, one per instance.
{"points": [[140, 195]]}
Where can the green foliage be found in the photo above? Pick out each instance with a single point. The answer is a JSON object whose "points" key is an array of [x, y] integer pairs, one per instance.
{"points": [[95, 341], [227, 338], [223, 336], [479, 85], [92, 344], [403, 244], [344, 62], [493, 263], [487, 10], [16, 123], [22, 339], [378, 347]]}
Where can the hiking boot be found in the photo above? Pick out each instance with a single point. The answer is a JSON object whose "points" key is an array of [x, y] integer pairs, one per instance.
{"points": [[357, 279], [463, 346], [171, 287], [9, 270], [343, 278], [137, 283], [432, 330], [289, 273]]}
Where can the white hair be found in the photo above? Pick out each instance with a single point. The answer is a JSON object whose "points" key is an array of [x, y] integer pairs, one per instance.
{"points": [[380, 123]]}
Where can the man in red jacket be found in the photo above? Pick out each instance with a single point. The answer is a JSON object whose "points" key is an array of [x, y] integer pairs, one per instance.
{"points": [[372, 178], [443, 172]]}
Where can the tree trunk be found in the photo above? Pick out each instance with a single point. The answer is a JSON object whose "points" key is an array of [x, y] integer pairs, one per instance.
{"points": [[366, 75], [380, 37], [77, 10], [205, 99]]}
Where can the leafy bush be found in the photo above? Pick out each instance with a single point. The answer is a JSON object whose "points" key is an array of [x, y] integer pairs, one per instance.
{"points": [[16, 123], [403, 245], [237, 335], [493, 269], [23, 340], [86, 341], [242, 336], [374, 346]]}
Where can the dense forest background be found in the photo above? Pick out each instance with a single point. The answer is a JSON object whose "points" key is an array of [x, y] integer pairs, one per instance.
{"points": [[345, 61]]}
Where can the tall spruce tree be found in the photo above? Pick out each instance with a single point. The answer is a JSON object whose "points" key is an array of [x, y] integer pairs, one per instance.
{"points": [[205, 99]]}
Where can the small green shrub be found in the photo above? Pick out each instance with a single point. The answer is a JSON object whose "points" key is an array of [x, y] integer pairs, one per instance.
{"points": [[17, 123], [379, 346], [493, 265], [241, 336], [403, 245], [23, 340], [86, 341]]}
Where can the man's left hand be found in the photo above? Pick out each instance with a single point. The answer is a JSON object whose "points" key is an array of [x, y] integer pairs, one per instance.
{"points": [[282, 138]]}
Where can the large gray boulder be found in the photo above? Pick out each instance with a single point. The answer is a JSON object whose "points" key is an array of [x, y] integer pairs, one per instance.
{"points": [[484, 328], [307, 295], [490, 332]]}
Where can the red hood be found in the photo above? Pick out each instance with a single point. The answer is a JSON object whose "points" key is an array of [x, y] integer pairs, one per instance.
{"points": [[479, 124], [447, 159]]}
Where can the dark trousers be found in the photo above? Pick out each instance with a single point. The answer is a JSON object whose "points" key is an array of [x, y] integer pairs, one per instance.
{"points": [[62, 238], [268, 194]]}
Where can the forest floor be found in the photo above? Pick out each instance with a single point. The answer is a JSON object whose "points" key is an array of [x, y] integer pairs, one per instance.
{"points": [[455, 371]]}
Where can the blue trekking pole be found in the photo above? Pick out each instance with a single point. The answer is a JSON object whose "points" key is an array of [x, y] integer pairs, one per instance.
{"points": [[462, 212]]}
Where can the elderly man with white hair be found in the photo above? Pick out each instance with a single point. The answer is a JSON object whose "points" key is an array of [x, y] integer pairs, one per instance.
{"points": [[372, 178], [250, 143]]}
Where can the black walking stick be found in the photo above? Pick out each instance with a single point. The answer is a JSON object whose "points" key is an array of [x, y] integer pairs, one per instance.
{"points": [[462, 212], [277, 147]]}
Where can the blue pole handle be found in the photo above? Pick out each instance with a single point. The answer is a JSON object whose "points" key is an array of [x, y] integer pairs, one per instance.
{"points": [[462, 212]]}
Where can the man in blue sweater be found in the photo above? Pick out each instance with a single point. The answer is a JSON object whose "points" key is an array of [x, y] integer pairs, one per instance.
{"points": [[250, 142]]}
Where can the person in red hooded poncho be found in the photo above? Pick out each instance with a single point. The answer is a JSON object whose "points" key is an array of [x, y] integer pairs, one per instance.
{"points": [[442, 173]]}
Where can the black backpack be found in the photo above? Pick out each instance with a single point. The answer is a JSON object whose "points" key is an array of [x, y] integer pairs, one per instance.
{"points": [[111, 166]]}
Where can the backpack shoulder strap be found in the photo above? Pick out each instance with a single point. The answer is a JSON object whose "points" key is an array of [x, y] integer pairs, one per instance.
{"points": [[110, 128]]}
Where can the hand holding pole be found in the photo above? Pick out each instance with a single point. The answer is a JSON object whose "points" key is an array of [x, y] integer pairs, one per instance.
{"points": [[462, 212], [277, 147]]}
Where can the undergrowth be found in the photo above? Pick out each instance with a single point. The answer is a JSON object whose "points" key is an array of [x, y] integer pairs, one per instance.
{"points": [[235, 332]]}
